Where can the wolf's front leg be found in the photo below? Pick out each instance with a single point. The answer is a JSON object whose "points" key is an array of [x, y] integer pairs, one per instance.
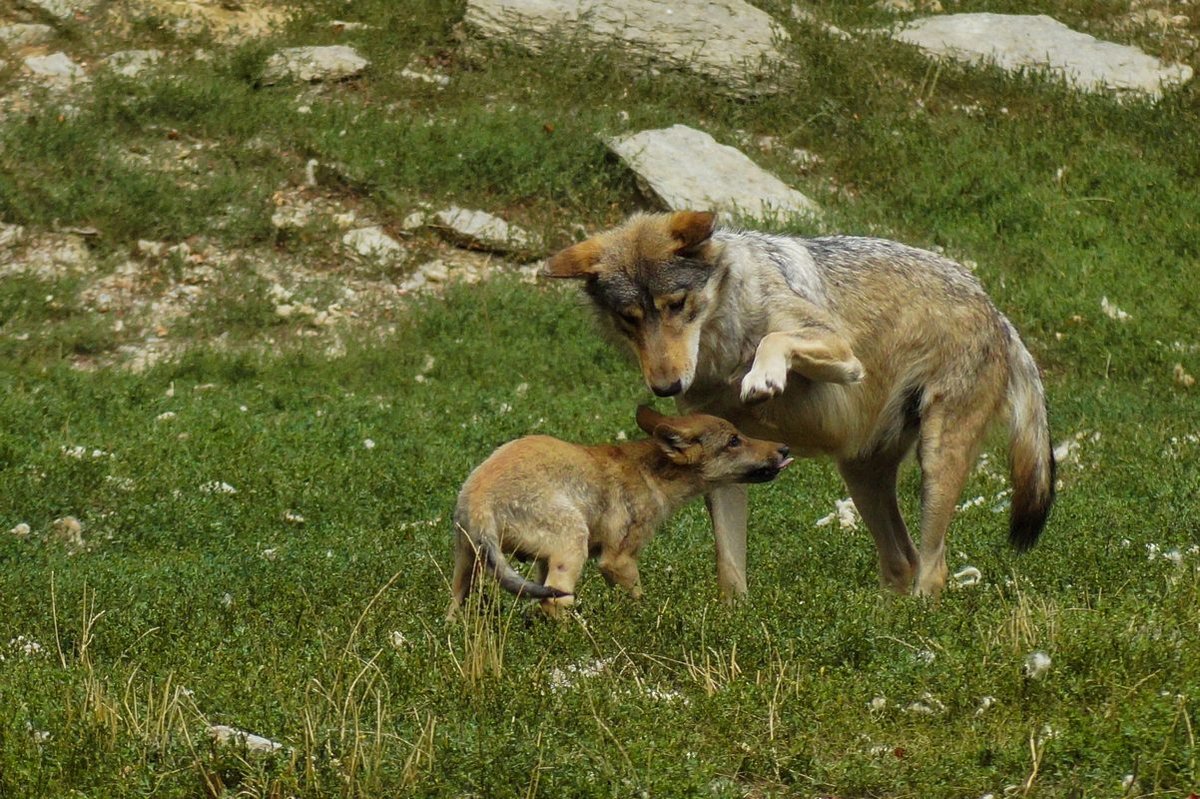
{"points": [[818, 355], [727, 507]]}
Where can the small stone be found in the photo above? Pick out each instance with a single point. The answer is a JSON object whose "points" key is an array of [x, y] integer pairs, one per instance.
{"points": [[25, 34], [20, 531], [373, 242], [63, 9], [131, 63], [314, 64], [482, 230], [57, 67]]}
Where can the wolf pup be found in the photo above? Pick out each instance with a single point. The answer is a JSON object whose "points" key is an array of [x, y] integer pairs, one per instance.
{"points": [[557, 503], [855, 348]]}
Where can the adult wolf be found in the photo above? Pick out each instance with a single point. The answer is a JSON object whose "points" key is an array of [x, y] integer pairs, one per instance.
{"points": [[856, 348]]}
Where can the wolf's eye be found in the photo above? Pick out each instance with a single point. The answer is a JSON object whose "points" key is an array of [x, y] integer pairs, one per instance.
{"points": [[677, 306], [628, 319], [735, 441]]}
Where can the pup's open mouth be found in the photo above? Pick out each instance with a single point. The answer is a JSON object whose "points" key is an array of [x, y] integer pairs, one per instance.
{"points": [[765, 474]]}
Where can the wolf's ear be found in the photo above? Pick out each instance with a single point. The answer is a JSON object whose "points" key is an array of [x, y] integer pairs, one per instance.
{"points": [[578, 260], [691, 228]]}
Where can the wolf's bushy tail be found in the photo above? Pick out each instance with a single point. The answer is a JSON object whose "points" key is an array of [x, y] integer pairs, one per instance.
{"points": [[485, 540], [1030, 452]]}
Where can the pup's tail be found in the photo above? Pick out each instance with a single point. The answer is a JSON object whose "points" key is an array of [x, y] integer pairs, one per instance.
{"points": [[487, 548], [1031, 455]]}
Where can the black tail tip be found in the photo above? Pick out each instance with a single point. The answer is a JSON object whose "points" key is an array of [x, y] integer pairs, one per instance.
{"points": [[1029, 514]]}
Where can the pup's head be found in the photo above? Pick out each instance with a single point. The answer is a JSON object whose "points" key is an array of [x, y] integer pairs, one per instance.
{"points": [[714, 447], [653, 279]]}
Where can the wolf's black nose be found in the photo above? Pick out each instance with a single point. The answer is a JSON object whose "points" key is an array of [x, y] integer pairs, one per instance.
{"points": [[668, 391]]}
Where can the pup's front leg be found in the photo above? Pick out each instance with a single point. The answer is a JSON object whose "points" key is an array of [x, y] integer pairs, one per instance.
{"points": [[821, 356]]}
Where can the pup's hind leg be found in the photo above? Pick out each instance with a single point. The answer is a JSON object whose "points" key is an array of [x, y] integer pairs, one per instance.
{"points": [[950, 439], [465, 568], [562, 569], [816, 353], [872, 485], [621, 568]]}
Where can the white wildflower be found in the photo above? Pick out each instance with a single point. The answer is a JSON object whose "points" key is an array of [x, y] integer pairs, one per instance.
{"points": [[217, 487], [1036, 665], [985, 704], [1112, 311], [165, 416], [20, 531], [845, 513], [270, 554], [368, 443], [293, 517], [398, 639]]}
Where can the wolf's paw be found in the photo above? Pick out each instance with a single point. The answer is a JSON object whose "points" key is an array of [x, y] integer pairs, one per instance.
{"points": [[853, 370], [763, 384]]}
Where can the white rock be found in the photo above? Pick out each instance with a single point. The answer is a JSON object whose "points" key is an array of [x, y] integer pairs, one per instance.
{"points": [[1016, 42], [331, 62], [481, 229], [687, 169], [63, 9], [431, 78], [967, 577], [231, 735], [727, 41], [132, 63], [20, 531], [373, 242], [25, 34], [56, 67]]}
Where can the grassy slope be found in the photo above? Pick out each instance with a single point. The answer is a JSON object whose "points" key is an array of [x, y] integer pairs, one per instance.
{"points": [[695, 697]]}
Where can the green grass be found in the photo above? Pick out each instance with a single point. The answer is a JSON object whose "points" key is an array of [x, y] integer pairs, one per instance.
{"points": [[188, 607]]}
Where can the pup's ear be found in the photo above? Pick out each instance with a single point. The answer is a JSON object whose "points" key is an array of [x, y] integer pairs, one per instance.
{"points": [[691, 228], [676, 443], [578, 260], [648, 419]]}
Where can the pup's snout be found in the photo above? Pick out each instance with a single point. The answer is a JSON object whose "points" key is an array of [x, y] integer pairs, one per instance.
{"points": [[783, 451], [668, 391]]}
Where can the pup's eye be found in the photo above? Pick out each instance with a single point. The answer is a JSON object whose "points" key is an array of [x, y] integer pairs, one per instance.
{"points": [[677, 306], [734, 442], [628, 319]]}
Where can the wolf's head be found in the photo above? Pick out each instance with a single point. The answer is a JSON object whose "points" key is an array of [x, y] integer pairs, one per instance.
{"points": [[653, 279]]}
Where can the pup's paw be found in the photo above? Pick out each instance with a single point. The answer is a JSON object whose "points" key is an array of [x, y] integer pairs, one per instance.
{"points": [[762, 384]]}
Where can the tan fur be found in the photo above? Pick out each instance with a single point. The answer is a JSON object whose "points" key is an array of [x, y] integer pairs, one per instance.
{"points": [[557, 503], [856, 349]]}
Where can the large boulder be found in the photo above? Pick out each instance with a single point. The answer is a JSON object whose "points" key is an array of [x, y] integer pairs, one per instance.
{"points": [[1015, 42], [684, 168], [727, 41]]}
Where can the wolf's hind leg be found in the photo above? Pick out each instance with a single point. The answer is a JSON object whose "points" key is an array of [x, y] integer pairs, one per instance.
{"points": [[727, 507], [872, 485], [822, 356], [950, 440]]}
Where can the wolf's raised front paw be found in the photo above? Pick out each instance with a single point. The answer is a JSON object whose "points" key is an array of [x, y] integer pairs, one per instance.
{"points": [[763, 384], [854, 371]]}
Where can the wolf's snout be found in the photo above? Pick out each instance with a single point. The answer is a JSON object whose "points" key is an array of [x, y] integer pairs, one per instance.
{"points": [[783, 451], [667, 391]]}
